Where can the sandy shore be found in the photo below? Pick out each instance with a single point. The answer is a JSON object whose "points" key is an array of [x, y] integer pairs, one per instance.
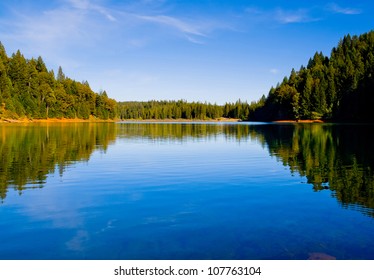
{"points": [[52, 120], [182, 120], [299, 121], [64, 120]]}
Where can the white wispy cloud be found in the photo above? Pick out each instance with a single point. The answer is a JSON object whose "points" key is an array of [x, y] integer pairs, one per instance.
{"points": [[193, 31], [45, 30], [293, 16], [282, 16], [73, 23], [174, 23], [274, 71], [254, 11], [301, 15], [87, 23], [88, 5], [335, 8]]}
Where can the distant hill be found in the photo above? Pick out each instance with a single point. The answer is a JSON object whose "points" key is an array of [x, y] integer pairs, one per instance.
{"points": [[29, 90], [339, 87]]}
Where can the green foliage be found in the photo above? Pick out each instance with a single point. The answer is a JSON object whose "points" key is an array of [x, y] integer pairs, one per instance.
{"points": [[337, 88], [334, 157], [28, 89], [182, 110], [29, 154], [339, 158]]}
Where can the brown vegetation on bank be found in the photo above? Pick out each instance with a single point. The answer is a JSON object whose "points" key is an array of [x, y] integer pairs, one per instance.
{"points": [[299, 121], [183, 120], [53, 120]]}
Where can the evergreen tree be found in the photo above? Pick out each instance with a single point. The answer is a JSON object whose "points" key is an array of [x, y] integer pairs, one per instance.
{"points": [[340, 87], [28, 88]]}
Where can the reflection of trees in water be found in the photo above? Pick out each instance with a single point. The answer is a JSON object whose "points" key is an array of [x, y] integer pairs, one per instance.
{"points": [[30, 152], [181, 131], [335, 157]]}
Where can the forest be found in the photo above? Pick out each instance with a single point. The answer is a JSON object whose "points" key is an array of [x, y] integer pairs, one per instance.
{"points": [[335, 88], [182, 109], [29, 90]]}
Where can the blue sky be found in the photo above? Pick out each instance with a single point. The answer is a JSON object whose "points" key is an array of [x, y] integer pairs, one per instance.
{"points": [[214, 51]]}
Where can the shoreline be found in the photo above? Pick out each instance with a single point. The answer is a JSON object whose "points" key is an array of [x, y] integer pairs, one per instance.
{"points": [[52, 120], [298, 121], [93, 120], [179, 120]]}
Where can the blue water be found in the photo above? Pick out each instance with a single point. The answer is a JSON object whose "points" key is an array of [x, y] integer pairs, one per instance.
{"points": [[192, 196]]}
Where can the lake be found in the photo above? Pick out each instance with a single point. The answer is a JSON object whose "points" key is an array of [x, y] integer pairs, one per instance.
{"points": [[186, 191]]}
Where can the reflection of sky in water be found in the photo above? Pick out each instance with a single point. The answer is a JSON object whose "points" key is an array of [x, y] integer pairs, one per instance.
{"points": [[210, 198]]}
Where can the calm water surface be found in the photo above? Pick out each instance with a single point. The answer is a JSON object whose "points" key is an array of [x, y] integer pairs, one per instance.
{"points": [[186, 191]]}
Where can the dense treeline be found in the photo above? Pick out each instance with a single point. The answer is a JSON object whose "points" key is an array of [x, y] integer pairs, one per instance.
{"points": [[339, 87], [182, 110], [28, 89]]}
